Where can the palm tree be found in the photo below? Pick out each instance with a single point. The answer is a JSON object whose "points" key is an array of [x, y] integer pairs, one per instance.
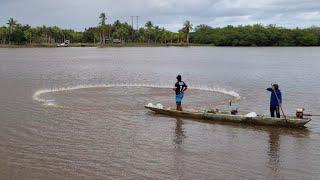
{"points": [[117, 24], [12, 25], [149, 27], [187, 27], [157, 33], [103, 19], [102, 23], [123, 32], [44, 31], [29, 34], [3, 34]]}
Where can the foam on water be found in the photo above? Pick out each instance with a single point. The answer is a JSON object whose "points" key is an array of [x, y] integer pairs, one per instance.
{"points": [[37, 95]]}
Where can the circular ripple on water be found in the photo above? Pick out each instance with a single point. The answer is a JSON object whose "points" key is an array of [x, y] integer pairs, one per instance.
{"points": [[130, 98]]}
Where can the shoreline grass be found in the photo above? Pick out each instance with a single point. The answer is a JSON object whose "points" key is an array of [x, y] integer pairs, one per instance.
{"points": [[114, 45], [104, 45]]}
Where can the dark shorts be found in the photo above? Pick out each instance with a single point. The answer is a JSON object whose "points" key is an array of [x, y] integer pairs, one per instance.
{"points": [[179, 98], [275, 110]]}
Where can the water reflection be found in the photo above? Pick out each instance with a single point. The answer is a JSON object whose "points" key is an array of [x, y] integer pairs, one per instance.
{"points": [[273, 153], [274, 162], [273, 149], [179, 136], [179, 132]]}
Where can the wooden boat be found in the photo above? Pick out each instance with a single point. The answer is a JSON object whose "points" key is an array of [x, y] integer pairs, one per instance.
{"points": [[65, 44], [227, 117]]}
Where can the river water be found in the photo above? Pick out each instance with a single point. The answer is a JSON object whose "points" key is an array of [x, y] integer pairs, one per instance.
{"points": [[77, 113]]}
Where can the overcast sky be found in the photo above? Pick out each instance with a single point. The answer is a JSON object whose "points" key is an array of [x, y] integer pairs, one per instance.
{"points": [[79, 14]]}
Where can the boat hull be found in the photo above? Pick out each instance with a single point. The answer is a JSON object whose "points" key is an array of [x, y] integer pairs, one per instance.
{"points": [[226, 117]]}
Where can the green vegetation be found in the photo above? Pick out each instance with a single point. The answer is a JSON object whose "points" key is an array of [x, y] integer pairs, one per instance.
{"points": [[104, 34], [256, 35], [122, 34], [187, 27]]}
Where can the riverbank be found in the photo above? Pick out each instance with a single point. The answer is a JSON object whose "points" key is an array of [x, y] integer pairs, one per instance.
{"points": [[127, 45], [151, 45], [44, 45], [103, 45]]}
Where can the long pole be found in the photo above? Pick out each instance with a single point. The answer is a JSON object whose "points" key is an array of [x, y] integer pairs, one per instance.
{"points": [[311, 114]]}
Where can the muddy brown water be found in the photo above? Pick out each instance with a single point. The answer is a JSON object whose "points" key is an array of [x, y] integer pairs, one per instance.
{"points": [[77, 113]]}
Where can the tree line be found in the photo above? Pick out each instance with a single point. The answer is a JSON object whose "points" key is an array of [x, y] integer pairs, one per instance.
{"points": [[14, 33], [256, 35]]}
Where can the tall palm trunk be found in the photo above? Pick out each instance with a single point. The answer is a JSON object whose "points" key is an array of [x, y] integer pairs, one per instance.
{"points": [[188, 38], [103, 37], [9, 37]]}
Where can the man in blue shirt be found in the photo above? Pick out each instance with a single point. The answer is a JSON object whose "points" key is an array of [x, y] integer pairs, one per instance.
{"points": [[179, 88], [275, 100]]}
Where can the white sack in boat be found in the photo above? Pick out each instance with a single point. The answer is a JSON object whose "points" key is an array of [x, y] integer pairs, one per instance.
{"points": [[252, 114], [150, 105], [159, 106]]}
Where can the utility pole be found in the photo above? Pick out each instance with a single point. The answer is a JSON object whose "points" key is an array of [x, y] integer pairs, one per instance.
{"points": [[132, 28], [137, 21]]}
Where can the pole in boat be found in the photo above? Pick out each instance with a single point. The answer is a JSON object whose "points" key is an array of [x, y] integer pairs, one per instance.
{"points": [[285, 117], [311, 114]]}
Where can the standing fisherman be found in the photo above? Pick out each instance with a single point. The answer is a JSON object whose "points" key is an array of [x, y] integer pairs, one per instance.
{"points": [[275, 100], [179, 88]]}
